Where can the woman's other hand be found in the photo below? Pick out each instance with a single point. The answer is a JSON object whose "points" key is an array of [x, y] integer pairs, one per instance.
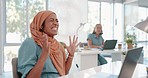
{"points": [[45, 44], [72, 46], [102, 46]]}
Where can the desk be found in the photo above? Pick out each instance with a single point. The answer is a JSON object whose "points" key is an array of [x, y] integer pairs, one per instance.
{"points": [[89, 58], [113, 68]]}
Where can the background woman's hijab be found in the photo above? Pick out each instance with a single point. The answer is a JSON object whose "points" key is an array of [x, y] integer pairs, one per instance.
{"points": [[57, 53]]}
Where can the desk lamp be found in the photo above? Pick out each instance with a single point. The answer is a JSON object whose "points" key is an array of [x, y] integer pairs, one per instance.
{"points": [[81, 25], [143, 25]]}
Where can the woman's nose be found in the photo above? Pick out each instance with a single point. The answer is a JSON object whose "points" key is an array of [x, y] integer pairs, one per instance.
{"points": [[55, 22]]}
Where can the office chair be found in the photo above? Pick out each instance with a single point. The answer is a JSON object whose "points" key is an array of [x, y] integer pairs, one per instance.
{"points": [[14, 68]]}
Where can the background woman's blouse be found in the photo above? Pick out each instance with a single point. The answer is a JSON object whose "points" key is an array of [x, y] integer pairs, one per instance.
{"points": [[29, 53], [98, 41]]}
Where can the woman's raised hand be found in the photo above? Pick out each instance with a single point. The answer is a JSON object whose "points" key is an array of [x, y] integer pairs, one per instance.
{"points": [[72, 46]]}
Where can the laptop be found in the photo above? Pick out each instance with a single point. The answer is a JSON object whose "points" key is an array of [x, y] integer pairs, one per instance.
{"points": [[109, 44], [127, 68]]}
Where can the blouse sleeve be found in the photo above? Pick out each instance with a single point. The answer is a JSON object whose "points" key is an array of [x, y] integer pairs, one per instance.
{"points": [[89, 37], [27, 57]]}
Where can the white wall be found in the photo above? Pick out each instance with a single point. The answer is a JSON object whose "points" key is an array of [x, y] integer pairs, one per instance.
{"points": [[70, 14]]}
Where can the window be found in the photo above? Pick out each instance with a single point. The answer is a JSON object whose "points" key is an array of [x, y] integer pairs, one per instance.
{"points": [[15, 21], [105, 13], [106, 20], [19, 14], [93, 13]]}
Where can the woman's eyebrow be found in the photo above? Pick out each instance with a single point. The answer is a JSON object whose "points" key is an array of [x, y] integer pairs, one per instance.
{"points": [[52, 19]]}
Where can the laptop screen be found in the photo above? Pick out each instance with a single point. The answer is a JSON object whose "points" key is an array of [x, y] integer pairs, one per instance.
{"points": [[127, 68], [130, 63], [110, 44]]}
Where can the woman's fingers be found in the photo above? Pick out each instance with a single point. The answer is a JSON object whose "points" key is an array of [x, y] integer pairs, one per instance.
{"points": [[74, 39], [44, 40], [45, 44], [70, 40], [73, 45], [78, 44]]}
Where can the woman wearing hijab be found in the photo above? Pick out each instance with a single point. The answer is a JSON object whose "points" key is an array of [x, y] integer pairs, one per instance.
{"points": [[42, 56], [95, 40]]}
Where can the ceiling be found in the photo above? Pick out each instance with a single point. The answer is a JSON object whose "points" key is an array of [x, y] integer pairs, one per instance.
{"points": [[141, 3]]}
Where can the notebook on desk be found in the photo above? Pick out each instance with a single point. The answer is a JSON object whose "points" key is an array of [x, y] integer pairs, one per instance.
{"points": [[127, 68], [109, 44]]}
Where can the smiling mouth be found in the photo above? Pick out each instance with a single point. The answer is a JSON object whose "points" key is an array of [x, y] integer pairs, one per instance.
{"points": [[55, 29]]}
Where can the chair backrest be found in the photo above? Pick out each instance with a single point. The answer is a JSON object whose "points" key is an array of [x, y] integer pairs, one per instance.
{"points": [[14, 68]]}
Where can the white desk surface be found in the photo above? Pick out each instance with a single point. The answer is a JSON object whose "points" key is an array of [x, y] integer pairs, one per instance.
{"points": [[97, 51], [113, 68], [89, 58]]}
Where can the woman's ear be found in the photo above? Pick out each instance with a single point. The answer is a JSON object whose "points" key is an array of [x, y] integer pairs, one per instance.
{"points": [[42, 27], [41, 30]]}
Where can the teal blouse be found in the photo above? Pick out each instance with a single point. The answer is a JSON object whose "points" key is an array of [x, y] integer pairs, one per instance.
{"points": [[98, 41], [28, 56]]}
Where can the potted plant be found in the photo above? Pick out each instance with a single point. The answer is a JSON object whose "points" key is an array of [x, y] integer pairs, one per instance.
{"points": [[129, 43], [130, 40]]}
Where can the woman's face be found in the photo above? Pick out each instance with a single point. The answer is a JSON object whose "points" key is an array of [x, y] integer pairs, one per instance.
{"points": [[98, 29], [51, 25]]}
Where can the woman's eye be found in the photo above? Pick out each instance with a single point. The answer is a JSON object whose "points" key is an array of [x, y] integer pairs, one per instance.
{"points": [[51, 20]]}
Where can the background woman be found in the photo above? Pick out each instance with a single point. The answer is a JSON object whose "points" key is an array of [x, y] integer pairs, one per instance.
{"points": [[95, 40]]}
